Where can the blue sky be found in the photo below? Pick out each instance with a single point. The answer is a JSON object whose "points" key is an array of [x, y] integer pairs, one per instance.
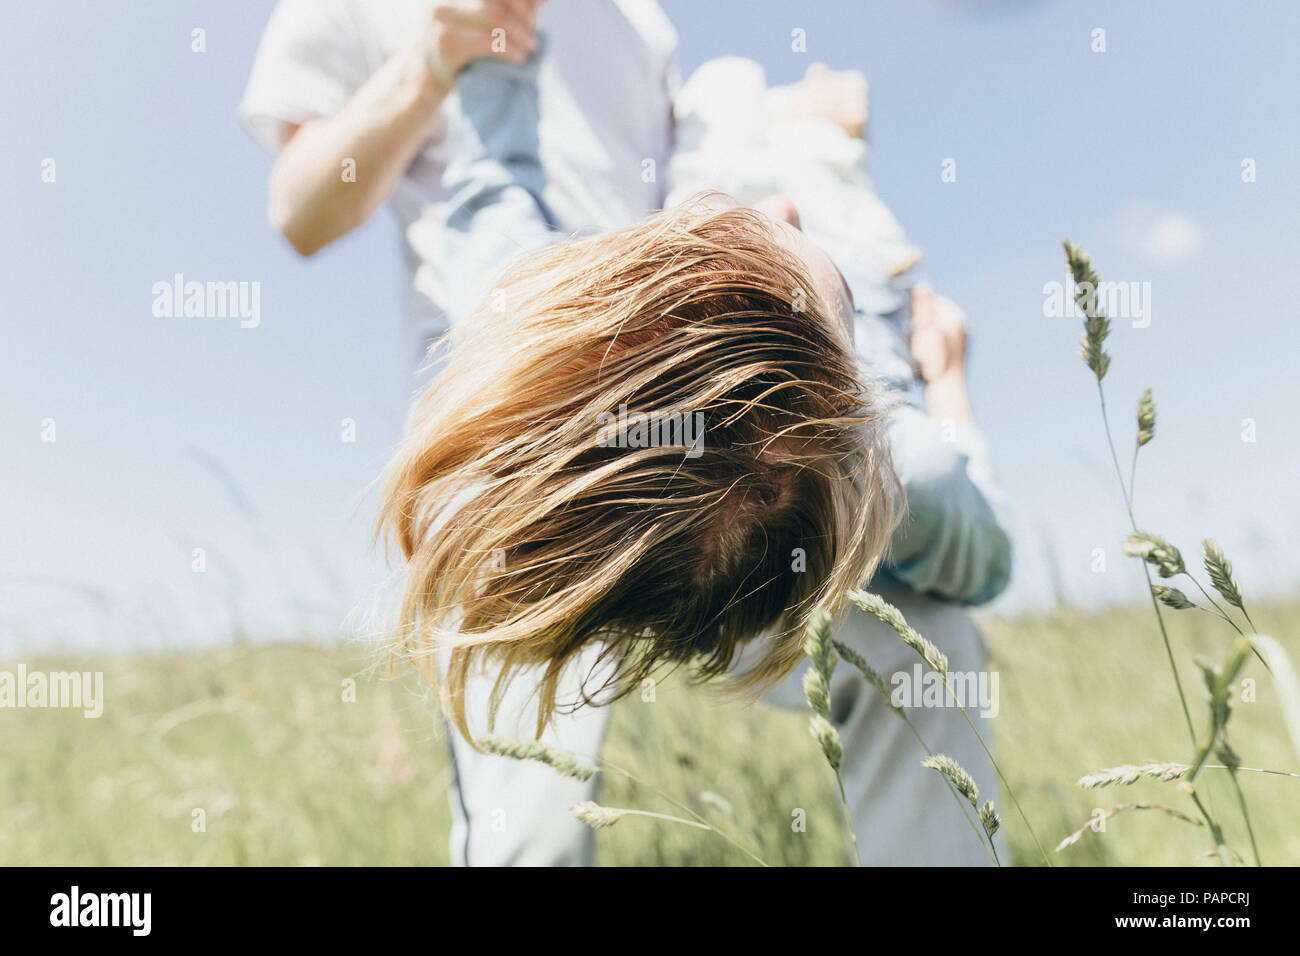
{"points": [[175, 434]]}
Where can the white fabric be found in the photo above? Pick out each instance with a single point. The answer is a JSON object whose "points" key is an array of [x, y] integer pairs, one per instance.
{"points": [[509, 812], [603, 158]]}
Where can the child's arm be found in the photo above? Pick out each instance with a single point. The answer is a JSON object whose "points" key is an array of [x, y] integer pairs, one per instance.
{"points": [[951, 542], [494, 178]]}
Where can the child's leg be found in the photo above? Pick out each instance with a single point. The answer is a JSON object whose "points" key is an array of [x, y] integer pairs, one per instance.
{"points": [[508, 812], [738, 136], [838, 96]]}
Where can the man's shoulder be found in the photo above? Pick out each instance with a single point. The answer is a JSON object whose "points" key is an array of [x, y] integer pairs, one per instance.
{"points": [[375, 28], [652, 23]]}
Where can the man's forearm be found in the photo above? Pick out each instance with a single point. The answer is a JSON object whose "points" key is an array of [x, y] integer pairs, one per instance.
{"points": [[380, 130]]}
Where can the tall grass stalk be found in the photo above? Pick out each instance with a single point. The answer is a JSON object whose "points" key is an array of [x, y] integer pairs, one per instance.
{"points": [[963, 784], [570, 765], [882, 610], [1159, 770], [874, 678], [820, 649], [1074, 837], [1096, 329], [597, 817], [627, 774]]}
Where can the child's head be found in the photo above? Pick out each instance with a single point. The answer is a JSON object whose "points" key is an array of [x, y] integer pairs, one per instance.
{"points": [[655, 439]]}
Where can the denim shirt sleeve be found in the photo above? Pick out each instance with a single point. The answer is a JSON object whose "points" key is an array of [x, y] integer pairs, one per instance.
{"points": [[951, 542], [494, 180]]}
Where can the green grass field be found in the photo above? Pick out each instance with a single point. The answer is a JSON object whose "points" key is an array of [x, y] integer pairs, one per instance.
{"points": [[288, 772]]}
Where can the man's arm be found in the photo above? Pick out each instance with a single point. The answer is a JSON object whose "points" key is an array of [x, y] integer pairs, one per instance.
{"points": [[384, 123]]}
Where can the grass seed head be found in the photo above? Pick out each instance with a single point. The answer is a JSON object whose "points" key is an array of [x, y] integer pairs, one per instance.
{"points": [[1219, 568], [558, 760], [817, 692], [880, 608], [818, 644], [990, 819], [1155, 551], [829, 738], [1146, 418], [1171, 597], [963, 781], [1096, 326], [1131, 773], [594, 815]]}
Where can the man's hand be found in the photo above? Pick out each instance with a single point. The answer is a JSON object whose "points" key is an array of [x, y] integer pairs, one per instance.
{"points": [[386, 121], [938, 335], [462, 30]]}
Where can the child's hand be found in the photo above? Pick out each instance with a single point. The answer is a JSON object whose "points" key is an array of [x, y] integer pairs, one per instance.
{"points": [[938, 335]]}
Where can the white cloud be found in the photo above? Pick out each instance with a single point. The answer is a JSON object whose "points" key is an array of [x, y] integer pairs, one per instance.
{"points": [[1171, 237], [1165, 236]]}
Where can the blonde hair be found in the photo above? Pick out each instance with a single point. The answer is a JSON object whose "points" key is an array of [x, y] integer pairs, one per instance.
{"points": [[528, 538]]}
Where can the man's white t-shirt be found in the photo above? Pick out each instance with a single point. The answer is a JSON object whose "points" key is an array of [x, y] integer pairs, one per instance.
{"points": [[606, 90]]}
